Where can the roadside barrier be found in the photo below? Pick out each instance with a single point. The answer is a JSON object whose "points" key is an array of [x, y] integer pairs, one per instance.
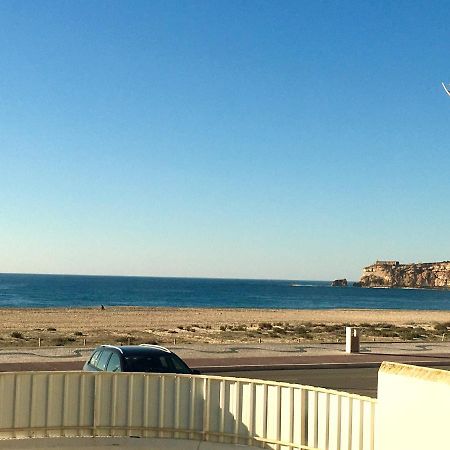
{"points": [[273, 415]]}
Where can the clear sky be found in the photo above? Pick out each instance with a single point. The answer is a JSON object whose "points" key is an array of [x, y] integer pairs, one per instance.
{"points": [[250, 139]]}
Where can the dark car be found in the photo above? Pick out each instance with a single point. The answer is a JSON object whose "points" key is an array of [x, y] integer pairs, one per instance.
{"points": [[136, 358]]}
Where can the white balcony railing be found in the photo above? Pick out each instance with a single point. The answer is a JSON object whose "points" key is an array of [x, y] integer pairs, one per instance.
{"points": [[219, 409]]}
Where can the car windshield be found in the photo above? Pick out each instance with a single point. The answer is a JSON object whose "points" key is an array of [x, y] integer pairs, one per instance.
{"points": [[156, 363]]}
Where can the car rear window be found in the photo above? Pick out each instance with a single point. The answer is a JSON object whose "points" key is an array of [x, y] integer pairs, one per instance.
{"points": [[156, 363]]}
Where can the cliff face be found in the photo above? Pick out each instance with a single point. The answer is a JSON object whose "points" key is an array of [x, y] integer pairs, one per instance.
{"points": [[394, 274]]}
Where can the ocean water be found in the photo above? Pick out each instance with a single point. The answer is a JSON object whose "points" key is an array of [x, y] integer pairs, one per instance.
{"points": [[62, 291]]}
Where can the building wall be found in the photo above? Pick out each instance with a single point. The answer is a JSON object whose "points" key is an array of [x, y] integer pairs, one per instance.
{"points": [[413, 408]]}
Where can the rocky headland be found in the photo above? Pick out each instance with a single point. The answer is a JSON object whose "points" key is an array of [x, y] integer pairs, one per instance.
{"points": [[417, 275], [339, 283]]}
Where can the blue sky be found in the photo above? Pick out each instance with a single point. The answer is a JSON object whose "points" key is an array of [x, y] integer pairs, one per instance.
{"points": [[250, 139]]}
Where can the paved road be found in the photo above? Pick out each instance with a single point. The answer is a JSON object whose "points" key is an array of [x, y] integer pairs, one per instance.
{"points": [[222, 364], [358, 381], [361, 381], [323, 365]]}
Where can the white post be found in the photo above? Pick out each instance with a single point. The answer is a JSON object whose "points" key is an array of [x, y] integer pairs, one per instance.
{"points": [[351, 340]]}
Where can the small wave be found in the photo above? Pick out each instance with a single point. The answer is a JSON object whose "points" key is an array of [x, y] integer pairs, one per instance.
{"points": [[413, 288], [7, 287]]}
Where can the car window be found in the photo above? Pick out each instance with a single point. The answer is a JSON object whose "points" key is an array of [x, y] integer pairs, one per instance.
{"points": [[114, 363], [94, 358], [103, 360], [156, 363], [179, 364]]}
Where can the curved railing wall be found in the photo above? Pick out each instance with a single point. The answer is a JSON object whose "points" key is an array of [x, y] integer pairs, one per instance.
{"points": [[219, 409]]}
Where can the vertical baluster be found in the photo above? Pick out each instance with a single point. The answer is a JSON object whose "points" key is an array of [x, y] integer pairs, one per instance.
{"points": [[264, 434], [237, 411], [327, 420], [81, 397], [177, 406], [162, 406], [350, 423], [251, 423], [316, 418], [113, 409], [303, 417], [30, 414], [130, 424], [222, 409], [97, 403], [85, 408], [291, 418], [372, 426], [361, 425], [65, 404], [15, 400], [192, 408], [146, 405], [338, 423], [49, 387], [206, 408], [278, 417]]}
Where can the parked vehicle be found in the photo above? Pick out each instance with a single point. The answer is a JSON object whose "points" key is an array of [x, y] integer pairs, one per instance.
{"points": [[136, 358]]}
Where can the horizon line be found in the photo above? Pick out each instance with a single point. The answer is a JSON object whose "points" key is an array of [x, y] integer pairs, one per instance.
{"points": [[161, 276]]}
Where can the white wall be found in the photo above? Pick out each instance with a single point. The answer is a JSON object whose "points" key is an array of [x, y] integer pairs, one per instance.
{"points": [[413, 410]]}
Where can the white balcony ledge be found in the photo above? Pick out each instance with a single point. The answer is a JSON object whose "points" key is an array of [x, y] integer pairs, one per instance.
{"points": [[100, 443], [201, 412]]}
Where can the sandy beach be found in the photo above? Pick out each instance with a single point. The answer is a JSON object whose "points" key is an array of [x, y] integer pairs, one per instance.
{"points": [[24, 327]]}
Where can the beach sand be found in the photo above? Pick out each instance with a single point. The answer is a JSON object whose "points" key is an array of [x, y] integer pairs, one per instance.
{"points": [[62, 326]]}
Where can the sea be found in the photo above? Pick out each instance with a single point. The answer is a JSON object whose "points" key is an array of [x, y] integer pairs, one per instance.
{"points": [[70, 291]]}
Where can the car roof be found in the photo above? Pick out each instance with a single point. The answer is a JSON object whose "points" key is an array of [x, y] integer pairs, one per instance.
{"points": [[139, 350]]}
